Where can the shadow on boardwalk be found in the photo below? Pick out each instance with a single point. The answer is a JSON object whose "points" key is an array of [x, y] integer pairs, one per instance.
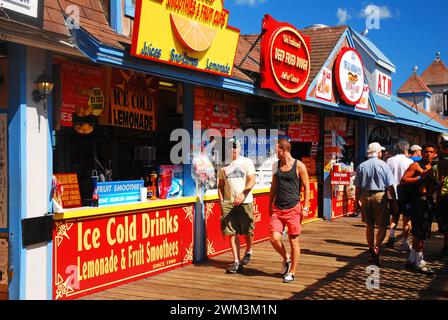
{"points": [[332, 266]]}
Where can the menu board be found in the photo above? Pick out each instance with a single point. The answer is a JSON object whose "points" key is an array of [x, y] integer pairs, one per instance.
{"points": [[216, 109], [3, 172], [308, 131], [82, 91], [71, 197], [310, 164]]}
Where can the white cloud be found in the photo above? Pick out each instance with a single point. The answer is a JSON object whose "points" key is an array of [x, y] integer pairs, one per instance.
{"points": [[384, 12], [343, 16], [251, 3]]}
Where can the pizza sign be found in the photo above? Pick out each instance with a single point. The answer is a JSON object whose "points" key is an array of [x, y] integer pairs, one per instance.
{"points": [[350, 76], [285, 59]]}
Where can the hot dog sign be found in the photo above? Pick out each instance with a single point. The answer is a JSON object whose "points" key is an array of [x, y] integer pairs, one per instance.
{"points": [[350, 76]]}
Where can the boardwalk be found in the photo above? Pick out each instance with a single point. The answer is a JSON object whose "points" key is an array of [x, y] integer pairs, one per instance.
{"points": [[332, 266]]}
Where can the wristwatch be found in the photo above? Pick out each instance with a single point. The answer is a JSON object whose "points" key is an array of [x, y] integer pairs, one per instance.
{"points": [[306, 209]]}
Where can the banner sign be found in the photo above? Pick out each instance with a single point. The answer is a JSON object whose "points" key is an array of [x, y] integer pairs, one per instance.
{"points": [[91, 255], [324, 87], [191, 34], [363, 104], [285, 59], [70, 197], [119, 192], [26, 11], [133, 99], [287, 113], [350, 76], [383, 84], [82, 91]]}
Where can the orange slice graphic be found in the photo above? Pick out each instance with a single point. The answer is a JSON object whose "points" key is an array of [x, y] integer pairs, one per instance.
{"points": [[191, 34]]}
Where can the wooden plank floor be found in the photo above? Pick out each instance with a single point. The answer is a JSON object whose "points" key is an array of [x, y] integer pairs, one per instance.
{"points": [[332, 267]]}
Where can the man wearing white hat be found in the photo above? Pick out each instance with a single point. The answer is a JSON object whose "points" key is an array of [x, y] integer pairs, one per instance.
{"points": [[373, 179], [416, 153]]}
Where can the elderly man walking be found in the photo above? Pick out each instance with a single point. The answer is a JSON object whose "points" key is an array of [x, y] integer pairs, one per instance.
{"points": [[373, 179], [398, 165]]}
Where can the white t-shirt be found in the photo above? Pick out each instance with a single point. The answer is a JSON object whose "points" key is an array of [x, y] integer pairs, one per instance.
{"points": [[398, 165], [235, 176]]}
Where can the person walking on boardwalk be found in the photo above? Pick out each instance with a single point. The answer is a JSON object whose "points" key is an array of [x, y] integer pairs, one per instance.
{"points": [[421, 182], [442, 195], [235, 183], [288, 176], [373, 179], [399, 164]]}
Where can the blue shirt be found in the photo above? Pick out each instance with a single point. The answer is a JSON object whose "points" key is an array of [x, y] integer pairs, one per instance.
{"points": [[374, 175], [416, 158]]}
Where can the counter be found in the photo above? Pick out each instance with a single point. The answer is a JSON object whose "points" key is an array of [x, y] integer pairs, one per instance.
{"points": [[98, 248]]}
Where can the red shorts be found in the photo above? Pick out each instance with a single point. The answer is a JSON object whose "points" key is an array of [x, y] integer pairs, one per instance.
{"points": [[290, 217]]}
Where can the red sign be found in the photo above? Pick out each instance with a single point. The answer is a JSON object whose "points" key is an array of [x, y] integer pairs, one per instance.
{"points": [[94, 254], [217, 243], [340, 178], [285, 59], [71, 197], [350, 76], [383, 84], [80, 84]]}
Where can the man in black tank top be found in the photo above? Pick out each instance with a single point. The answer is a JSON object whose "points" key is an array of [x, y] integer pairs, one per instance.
{"points": [[420, 179], [285, 210]]}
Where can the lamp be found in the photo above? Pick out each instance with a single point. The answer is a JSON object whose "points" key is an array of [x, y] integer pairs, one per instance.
{"points": [[44, 84]]}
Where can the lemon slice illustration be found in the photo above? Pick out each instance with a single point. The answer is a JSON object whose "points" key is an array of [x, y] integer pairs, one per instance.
{"points": [[191, 34]]}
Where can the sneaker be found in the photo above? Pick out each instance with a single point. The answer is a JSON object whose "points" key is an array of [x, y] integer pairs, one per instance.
{"points": [[424, 269], [246, 259], [236, 267], [286, 265], [288, 278], [390, 242]]}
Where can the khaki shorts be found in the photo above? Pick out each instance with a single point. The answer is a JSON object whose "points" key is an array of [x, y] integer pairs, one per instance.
{"points": [[237, 220], [375, 208]]}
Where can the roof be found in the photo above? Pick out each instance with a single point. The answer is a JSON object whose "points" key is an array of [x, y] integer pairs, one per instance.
{"points": [[92, 19], [436, 73], [404, 114], [323, 42], [433, 115], [373, 51], [414, 84]]}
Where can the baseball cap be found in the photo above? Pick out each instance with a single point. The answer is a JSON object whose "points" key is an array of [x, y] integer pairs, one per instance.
{"points": [[415, 147], [375, 147], [443, 140], [235, 143]]}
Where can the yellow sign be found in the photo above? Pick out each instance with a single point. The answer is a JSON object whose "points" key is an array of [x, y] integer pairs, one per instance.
{"points": [[191, 34], [287, 113], [133, 100]]}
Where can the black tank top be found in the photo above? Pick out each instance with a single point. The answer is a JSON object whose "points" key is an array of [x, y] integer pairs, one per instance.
{"points": [[288, 188]]}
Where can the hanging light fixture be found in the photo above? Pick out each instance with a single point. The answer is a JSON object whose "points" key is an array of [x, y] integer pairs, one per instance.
{"points": [[44, 84]]}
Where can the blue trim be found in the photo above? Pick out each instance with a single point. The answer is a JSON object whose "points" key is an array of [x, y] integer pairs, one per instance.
{"points": [[49, 67], [17, 164], [5, 230], [411, 94], [129, 8], [116, 16]]}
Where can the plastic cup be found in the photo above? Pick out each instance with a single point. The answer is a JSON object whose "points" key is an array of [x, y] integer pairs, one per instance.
{"points": [[166, 180], [143, 194]]}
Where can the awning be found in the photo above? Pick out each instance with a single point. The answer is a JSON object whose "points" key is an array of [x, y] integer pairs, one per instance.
{"points": [[405, 114]]}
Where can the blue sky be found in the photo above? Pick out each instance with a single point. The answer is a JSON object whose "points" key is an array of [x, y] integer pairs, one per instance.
{"points": [[410, 33]]}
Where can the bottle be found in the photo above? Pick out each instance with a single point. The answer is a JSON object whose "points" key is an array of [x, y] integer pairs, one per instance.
{"points": [[95, 199]]}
